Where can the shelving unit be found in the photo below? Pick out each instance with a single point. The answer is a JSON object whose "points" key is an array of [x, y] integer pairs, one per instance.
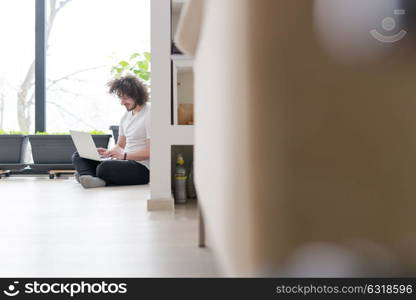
{"points": [[172, 89], [182, 98]]}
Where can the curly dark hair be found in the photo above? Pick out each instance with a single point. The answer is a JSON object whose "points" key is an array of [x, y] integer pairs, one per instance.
{"points": [[129, 86]]}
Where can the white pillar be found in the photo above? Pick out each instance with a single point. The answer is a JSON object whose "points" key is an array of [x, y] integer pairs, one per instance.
{"points": [[160, 191]]}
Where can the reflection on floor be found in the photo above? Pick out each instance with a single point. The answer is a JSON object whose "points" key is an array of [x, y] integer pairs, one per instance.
{"points": [[51, 228]]}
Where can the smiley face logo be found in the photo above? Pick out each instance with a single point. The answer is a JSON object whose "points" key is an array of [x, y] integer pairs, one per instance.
{"points": [[389, 24], [11, 291]]}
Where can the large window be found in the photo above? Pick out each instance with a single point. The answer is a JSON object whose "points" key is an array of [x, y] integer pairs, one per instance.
{"points": [[84, 39], [17, 54], [87, 38]]}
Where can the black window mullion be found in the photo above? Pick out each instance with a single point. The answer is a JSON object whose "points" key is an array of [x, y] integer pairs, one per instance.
{"points": [[40, 64]]}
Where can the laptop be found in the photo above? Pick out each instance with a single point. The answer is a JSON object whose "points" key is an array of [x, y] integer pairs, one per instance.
{"points": [[85, 145]]}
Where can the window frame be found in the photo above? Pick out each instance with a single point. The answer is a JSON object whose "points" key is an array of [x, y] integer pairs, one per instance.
{"points": [[40, 65]]}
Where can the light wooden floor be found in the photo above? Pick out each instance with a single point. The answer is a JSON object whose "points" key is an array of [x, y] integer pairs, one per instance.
{"points": [[51, 228]]}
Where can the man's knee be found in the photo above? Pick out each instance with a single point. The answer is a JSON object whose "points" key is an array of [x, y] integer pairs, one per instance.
{"points": [[104, 169], [75, 156]]}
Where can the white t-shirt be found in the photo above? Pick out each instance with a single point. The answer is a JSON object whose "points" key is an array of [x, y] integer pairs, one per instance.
{"points": [[136, 129]]}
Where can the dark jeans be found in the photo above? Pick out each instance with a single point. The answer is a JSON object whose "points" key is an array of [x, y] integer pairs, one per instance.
{"points": [[113, 172]]}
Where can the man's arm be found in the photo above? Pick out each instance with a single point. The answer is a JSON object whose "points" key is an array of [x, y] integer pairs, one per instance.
{"points": [[121, 144], [117, 148], [142, 154]]}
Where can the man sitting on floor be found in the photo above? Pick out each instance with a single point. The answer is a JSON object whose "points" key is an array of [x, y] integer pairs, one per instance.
{"points": [[129, 163]]}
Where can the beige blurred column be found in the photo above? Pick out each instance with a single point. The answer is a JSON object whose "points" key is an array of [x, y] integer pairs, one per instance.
{"points": [[292, 146]]}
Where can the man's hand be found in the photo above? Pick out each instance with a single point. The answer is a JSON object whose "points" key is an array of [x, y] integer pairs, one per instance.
{"points": [[101, 151], [114, 154]]}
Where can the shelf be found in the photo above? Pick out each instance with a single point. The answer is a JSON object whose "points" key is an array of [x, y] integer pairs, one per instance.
{"points": [[181, 57], [182, 126], [183, 65]]}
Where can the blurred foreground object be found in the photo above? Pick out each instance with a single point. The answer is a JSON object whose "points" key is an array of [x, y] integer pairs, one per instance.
{"points": [[309, 141]]}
